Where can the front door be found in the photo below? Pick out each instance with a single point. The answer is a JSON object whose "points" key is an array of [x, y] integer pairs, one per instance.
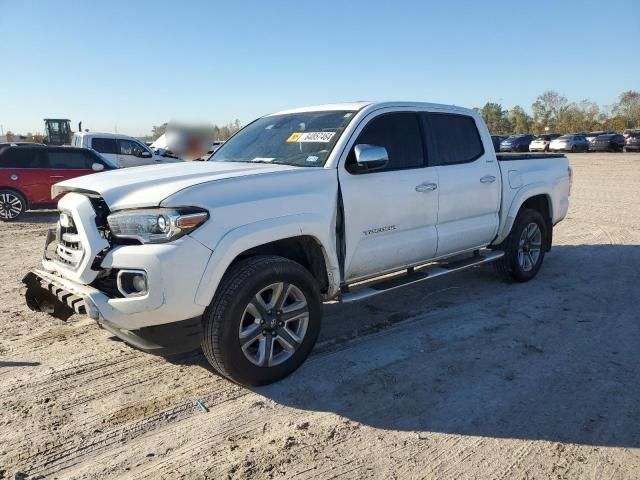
{"points": [[391, 213], [129, 154]]}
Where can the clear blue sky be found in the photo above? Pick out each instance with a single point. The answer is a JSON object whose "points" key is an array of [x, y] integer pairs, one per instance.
{"points": [[133, 64]]}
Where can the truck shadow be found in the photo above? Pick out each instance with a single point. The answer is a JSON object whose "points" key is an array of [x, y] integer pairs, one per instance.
{"points": [[555, 359]]}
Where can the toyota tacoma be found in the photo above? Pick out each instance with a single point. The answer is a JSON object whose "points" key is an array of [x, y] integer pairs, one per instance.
{"points": [[336, 202]]}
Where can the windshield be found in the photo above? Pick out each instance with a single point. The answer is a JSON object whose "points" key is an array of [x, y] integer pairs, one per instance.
{"points": [[302, 139]]}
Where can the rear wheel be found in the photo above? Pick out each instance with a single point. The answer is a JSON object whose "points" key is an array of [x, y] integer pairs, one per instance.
{"points": [[524, 248], [264, 320], [12, 205]]}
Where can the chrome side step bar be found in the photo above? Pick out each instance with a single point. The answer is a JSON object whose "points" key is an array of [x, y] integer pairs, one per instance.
{"points": [[371, 288]]}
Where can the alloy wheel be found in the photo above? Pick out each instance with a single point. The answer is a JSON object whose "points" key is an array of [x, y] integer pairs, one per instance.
{"points": [[10, 206], [529, 247], [274, 324]]}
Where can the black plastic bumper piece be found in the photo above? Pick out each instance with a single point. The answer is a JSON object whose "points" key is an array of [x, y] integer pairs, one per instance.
{"points": [[164, 340], [43, 296]]}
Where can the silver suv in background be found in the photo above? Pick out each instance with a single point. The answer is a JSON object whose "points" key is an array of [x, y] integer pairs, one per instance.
{"points": [[569, 143]]}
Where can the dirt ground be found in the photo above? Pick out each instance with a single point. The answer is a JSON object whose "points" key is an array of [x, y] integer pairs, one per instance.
{"points": [[463, 377]]}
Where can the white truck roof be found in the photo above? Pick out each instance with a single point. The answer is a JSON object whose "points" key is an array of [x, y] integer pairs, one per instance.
{"points": [[106, 135], [355, 106]]}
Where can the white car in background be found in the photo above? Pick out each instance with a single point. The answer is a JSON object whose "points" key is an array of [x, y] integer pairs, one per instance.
{"points": [[123, 150], [541, 142]]}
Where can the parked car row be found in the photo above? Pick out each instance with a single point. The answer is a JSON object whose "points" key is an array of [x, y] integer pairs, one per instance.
{"points": [[28, 171], [599, 141]]}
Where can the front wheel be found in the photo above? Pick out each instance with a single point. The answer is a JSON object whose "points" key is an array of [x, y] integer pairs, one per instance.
{"points": [[264, 320], [12, 205], [524, 248]]}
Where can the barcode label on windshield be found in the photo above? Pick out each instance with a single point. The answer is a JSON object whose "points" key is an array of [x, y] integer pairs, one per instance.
{"points": [[318, 137]]}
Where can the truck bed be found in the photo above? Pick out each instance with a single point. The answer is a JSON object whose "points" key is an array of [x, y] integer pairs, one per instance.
{"points": [[506, 157]]}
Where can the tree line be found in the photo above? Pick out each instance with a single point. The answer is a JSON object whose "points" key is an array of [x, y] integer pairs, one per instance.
{"points": [[553, 113]]}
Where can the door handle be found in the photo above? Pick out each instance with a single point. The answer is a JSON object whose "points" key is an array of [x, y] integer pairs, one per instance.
{"points": [[488, 179], [426, 187]]}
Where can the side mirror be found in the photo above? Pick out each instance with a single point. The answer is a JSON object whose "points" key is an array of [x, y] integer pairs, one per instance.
{"points": [[97, 167], [371, 157], [144, 154]]}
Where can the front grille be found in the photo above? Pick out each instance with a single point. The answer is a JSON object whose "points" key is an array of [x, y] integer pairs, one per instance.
{"points": [[69, 250]]}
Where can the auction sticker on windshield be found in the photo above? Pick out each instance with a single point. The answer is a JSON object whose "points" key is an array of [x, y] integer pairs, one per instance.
{"points": [[318, 137]]}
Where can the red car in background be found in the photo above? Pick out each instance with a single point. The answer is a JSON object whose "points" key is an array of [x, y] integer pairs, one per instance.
{"points": [[28, 171]]}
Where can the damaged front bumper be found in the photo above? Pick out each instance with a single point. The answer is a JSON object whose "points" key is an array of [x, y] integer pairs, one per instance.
{"points": [[62, 298]]}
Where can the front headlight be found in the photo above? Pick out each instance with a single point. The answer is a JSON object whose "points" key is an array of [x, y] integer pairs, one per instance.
{"points": [[156, 225]]}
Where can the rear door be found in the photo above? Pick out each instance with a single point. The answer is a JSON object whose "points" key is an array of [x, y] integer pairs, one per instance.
{"points": [[469, 182], [24, 169], [107, 147], [390, 214]]}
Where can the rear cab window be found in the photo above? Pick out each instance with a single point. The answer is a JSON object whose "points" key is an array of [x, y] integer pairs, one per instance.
{"points": [[104, 145], [453, 138]]}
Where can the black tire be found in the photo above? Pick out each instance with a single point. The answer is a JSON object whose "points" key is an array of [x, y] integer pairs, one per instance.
{"points": [[573, 149], [228, 313], [12, 205], [510, 265]]}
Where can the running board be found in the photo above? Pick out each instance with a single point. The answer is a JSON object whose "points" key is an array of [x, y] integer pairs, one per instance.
{"points": [[371, 288]]}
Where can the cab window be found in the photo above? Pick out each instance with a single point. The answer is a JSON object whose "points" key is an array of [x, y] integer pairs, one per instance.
{"points": [[399, 133], [129, 147], [104, 145]]}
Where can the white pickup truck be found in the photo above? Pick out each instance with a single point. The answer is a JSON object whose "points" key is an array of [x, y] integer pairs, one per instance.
{"points": [[338, 202]]}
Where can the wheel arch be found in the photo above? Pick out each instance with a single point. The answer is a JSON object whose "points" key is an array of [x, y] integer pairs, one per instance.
{"points": [[303, 249], [16, 190], [300, 239], [533, 197]]}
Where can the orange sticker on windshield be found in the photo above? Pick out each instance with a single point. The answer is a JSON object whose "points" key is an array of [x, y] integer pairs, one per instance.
{"points": [[294, 137]]}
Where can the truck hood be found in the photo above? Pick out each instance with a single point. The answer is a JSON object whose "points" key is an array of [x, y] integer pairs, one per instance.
{"points": [[148, 186]]}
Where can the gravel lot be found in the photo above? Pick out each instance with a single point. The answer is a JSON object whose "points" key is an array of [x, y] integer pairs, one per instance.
{"points": [[463, 377]]}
